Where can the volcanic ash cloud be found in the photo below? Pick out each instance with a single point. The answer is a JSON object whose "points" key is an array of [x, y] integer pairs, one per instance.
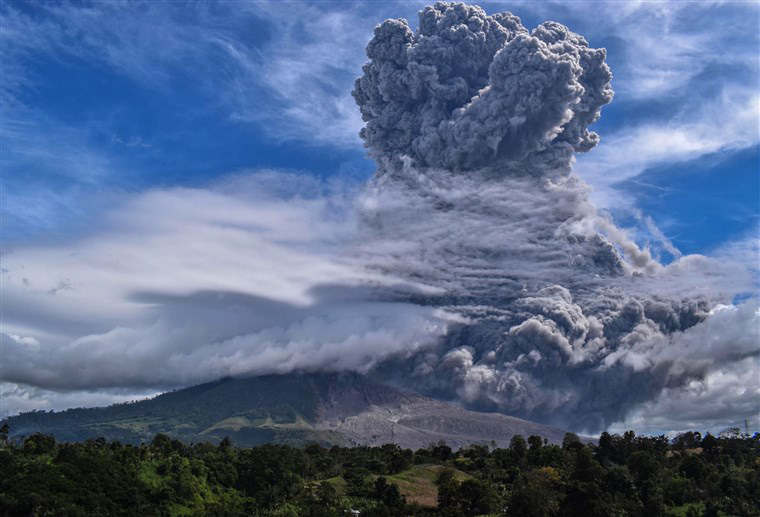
{"points": [[467, 90], [474, 121]]}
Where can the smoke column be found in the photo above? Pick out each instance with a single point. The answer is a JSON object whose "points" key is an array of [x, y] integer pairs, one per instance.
{"points": [[474, 121]]}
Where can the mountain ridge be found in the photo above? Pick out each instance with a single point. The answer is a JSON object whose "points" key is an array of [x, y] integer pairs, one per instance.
{"points": [[331, 409]]}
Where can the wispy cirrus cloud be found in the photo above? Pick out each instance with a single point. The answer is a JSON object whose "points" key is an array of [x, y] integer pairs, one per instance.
{"points": [[272, 63], [166, 70], [660, 49], [684, 84], [260, 61], [726, 124], [309, 75]]}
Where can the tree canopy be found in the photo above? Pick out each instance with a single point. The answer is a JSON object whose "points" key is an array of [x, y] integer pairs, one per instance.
{"points": [[691, 475]]}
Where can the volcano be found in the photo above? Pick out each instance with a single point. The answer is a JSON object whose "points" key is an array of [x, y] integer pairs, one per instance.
{"points": [[344, 409]]}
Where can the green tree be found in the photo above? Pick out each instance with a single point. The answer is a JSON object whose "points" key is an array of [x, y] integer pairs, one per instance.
{"points": [[536, 494], [518, 448], [39, 443], [389, 495], [476, 497], [571, 441]]}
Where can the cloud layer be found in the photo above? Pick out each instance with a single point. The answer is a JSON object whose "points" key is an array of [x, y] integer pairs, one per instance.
{"points": [[497, 293]]}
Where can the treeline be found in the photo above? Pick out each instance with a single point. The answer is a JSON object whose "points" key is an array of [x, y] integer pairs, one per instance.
{"points": [[620, 475]]}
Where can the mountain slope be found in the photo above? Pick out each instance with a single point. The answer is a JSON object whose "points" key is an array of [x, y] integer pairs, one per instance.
{"points": [[340, 409]]}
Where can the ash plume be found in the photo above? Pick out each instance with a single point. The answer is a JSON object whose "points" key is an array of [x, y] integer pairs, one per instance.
{"points": [[473, 121], [468, 90]]}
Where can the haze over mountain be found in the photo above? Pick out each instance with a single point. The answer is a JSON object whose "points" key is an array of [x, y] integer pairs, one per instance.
{"points": [[331, 409]]}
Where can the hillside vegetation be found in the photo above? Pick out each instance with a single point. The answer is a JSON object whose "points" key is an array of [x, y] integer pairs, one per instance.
{"points": [[296, 409], [252, 411], [621, 475]]}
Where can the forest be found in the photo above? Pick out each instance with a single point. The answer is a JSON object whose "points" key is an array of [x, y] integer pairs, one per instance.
{"points": [[690, 475]]}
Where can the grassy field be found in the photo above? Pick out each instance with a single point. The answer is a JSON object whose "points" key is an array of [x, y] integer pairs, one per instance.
{"points": [[417, 484]]}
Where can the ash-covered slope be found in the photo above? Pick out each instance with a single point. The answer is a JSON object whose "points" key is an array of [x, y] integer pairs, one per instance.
{"points": [[341, 409]]}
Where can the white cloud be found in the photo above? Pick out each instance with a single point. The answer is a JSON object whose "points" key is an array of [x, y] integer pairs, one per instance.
{"points": [[181, 286], [685, 77], [665, 45], [295, 80], [236, 237], [724, 398], [16, 398], [727, 123], [727, 346], [309, 67]]}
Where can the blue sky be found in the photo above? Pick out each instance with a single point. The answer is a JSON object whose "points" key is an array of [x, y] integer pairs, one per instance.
{"points": [[165, 118], [103, 100]]}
